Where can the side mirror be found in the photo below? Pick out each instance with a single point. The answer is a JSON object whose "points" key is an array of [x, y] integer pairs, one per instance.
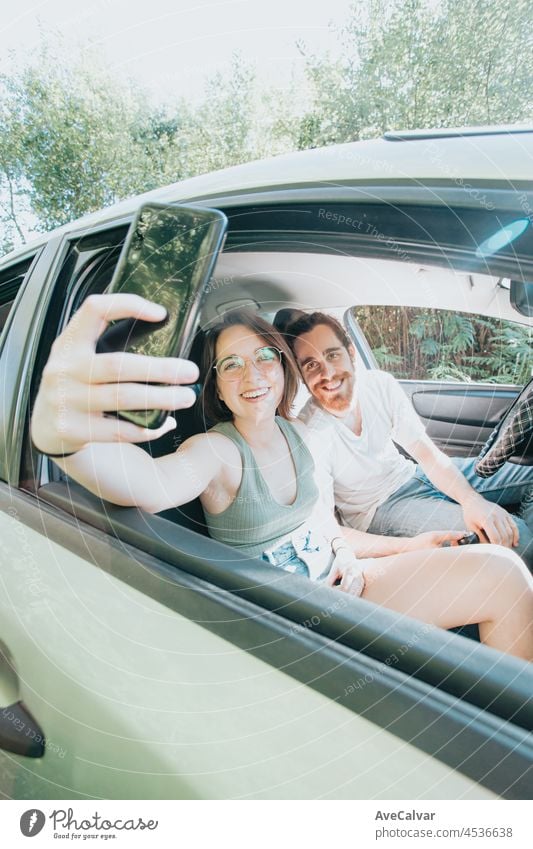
{"points": [[522, 297]]}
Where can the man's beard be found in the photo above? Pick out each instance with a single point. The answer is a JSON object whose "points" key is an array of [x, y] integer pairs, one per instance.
{"points": [[340, 400]]}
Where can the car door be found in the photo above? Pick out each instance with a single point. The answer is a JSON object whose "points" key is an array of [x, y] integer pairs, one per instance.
{"points": [[152, 662]]}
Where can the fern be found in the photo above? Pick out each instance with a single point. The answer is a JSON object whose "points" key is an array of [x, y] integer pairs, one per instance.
{"points": [[445, 345]]}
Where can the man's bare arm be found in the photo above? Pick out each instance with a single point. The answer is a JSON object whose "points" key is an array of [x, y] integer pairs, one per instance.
{"points": [[490, 521]]}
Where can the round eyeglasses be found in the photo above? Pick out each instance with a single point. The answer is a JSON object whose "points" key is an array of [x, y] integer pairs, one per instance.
{"points": [[232, 367]]}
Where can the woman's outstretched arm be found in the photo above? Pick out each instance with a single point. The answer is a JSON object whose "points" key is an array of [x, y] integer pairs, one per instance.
{"points": [[78, 386]]}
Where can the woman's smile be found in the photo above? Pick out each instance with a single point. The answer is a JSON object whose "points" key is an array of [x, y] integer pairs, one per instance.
{"points": [[256, 394]]}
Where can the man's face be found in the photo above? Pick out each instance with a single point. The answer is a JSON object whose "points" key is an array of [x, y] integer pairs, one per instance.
{"points": [[327, 368]]}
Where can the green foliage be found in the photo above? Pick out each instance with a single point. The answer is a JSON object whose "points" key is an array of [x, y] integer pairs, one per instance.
{"points": [[73, 138], [422, 344], [65, 138], [386, 359], [224, 121], [406, 64]]}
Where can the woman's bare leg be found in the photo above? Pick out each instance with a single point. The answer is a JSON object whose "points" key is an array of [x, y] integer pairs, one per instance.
{"points": [[488, 585]]}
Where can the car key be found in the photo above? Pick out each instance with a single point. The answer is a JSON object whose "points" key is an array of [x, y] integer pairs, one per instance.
{"points": [[468, 539]]}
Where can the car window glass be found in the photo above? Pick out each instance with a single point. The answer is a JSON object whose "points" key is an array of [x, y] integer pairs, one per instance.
{"points": [[414, 343], [89, 265], [87, 268], [11, 279]]}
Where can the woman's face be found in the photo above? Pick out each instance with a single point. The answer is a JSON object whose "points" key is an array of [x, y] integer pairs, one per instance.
{"points": [[255, 392]]}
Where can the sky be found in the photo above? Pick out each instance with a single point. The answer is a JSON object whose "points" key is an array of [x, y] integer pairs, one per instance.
{"points": [[170, 46]]}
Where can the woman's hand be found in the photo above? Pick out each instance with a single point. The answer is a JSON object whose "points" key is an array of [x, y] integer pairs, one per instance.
{"points": [[432, 539], [346, 569], [78, 386]]}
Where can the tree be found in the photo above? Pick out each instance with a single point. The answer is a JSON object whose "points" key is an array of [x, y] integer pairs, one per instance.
{"points": [[66, 140], [72, 139], [421, 343], [406, 64], [223, 123]]}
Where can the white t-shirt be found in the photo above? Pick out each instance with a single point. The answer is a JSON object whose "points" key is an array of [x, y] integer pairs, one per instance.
{"points": [[359, 473]]}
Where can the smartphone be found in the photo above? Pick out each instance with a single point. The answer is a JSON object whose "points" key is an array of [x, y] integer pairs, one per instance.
{"points": [[168, 257], [468, 539]]}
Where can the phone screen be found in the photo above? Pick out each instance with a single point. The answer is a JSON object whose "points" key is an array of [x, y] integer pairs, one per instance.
{"points": [[168, 258]]}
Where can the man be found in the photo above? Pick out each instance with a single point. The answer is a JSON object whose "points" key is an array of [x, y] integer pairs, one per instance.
{"points": [[354, 425]]}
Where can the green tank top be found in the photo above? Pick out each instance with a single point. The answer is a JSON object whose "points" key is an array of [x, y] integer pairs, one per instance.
{"points": [[255, 521]]}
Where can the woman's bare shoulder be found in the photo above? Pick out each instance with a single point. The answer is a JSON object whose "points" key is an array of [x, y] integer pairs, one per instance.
{"points": [[210, 442], [218, 458]]}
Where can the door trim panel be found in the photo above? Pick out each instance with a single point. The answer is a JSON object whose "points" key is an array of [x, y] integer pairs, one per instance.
{"points": [[481, 408], [453, 731]]}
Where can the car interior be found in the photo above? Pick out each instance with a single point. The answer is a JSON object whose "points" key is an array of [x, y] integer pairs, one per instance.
{"points": [[268, 281]]}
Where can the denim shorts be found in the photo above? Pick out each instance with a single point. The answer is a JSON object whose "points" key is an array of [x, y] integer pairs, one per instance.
{"points": [[287, 558], [308, 553]]}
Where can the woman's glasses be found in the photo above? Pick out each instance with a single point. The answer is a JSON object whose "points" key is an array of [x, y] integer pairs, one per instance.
{"points": [[232, 367]]}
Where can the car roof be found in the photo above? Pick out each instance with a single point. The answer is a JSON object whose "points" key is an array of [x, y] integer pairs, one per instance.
{"points": [[496, 155]]}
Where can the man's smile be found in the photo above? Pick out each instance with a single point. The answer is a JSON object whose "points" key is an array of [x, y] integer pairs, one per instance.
{"points": [[332, 386]]}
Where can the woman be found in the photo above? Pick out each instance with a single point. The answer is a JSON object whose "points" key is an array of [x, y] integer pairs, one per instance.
{"points": [[252, 471]]}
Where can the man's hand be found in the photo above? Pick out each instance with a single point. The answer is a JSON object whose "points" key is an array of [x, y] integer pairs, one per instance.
{"points": [[490, 522], [79, 386], [346, 569]]}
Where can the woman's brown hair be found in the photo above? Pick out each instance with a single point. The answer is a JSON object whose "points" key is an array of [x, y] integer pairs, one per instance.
{"points": [[213, 408]]}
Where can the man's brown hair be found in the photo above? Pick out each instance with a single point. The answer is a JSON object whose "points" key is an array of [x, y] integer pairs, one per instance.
{"points": [[308, 322]]}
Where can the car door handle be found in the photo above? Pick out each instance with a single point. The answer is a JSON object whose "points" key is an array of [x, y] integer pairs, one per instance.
{"points": [[20, 733]]}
